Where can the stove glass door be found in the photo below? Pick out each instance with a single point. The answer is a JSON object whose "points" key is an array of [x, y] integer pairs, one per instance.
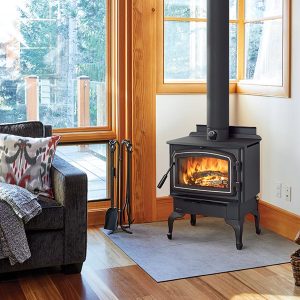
{"points": [[203, 171]]}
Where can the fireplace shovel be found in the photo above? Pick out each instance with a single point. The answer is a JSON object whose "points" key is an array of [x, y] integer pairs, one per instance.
{"points": [[111, 217]]}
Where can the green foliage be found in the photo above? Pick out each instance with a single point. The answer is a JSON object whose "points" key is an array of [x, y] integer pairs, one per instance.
{"points": [[60, 41]]}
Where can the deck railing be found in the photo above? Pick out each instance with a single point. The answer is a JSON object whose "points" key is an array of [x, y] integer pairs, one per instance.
{"points": [[91, 96]]}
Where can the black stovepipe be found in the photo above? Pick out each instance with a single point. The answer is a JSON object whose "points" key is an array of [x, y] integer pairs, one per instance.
{"points": [[217, 69]]}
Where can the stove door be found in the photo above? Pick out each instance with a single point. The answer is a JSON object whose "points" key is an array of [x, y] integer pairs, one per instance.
{"points": [[204, 171]]}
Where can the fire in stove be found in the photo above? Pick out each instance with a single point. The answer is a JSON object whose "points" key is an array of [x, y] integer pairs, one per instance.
{"points": [[204, 171]]}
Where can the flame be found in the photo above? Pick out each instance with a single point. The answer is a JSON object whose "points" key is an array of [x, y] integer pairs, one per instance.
{"points": [[204, 171]]}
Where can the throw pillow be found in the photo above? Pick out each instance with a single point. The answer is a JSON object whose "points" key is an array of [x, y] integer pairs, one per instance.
{"points": [[26, 162]]}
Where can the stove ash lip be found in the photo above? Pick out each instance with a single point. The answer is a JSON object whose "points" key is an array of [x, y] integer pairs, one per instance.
{"points": [[217, 70]]}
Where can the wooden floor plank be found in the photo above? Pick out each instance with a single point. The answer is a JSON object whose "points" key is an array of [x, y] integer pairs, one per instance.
{"points": [[103, 253], [39, 287], [11, 290], [188, 289], [132, 283], [230, 287], [273, 282], [109, 273]]}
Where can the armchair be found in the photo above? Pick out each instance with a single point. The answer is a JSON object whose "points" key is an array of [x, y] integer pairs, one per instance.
{"points": [[58, 236]]}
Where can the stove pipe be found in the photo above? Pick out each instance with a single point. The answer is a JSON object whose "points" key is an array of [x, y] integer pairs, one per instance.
{"points": [[217, 69]]}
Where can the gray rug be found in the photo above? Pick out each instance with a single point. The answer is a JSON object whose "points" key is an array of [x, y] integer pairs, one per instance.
{"points": [[207, 248]]}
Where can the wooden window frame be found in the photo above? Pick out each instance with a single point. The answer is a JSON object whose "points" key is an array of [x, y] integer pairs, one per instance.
{"points": [[101, 133], [240, 85]]}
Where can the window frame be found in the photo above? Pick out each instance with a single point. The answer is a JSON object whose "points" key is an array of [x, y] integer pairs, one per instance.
{"points": [[240, 85], [101, 133]]}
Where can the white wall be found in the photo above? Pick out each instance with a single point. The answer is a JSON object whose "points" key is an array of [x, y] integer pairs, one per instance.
{"points": [[277, 121]]}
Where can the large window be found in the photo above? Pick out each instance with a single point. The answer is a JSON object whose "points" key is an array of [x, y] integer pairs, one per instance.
{"points": [[54, 63], [259, 46]]}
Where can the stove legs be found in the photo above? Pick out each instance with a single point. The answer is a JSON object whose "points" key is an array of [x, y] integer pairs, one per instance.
{"points": [[257, 219], [174, 215], [237, 226], [193, 220]]}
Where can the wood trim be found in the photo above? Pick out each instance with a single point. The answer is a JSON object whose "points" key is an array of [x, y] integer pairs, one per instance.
{"points": [[278, 220], [253, 88], [88, 133], [92, 136], [143, 105], [163, 87], [164, 207], [240, 87], [179, 19], [96, 212], [186, 88]]}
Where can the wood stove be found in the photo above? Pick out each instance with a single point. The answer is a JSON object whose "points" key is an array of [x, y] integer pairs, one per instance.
{"points": [[215, 171]]}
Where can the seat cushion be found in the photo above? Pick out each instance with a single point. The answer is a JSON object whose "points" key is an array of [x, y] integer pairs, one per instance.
{"points": [[51, 217]]}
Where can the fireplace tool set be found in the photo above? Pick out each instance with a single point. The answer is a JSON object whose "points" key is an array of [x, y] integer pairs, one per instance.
{"points": [[120, 209]]}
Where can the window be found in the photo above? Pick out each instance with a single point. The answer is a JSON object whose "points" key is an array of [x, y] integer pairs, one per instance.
{"points": [[256, 66], [92, 159], [55, 64]]}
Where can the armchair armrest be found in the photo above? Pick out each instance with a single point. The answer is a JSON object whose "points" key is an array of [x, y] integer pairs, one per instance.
{"points": [[70, 190]]}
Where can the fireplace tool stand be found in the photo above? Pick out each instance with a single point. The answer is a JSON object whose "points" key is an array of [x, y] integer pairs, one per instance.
{"points": [[122, 206]]}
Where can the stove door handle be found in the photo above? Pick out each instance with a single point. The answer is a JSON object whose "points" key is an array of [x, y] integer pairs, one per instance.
{"points": [[164, 178]]}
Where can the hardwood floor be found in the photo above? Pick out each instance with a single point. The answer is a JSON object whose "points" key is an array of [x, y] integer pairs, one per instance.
{"points": [[109, 274]]}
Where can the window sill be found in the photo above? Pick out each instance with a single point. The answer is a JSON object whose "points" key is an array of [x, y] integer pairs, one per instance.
{"points": [[187, 88]]}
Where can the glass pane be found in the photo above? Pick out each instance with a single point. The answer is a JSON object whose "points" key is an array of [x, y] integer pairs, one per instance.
{"points": [[264, 52], [92, 159], [57, 42], [204, 172], [256, 9], [185, 8], [233, 51], [185, 51], [192, 8], [233, 9]]}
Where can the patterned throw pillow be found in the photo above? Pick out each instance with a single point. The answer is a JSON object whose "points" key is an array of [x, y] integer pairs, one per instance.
{"points": [[26, 162]]}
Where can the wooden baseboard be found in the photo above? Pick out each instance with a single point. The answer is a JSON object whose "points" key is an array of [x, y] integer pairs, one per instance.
{"points": [[280, 221], [96, 212]]}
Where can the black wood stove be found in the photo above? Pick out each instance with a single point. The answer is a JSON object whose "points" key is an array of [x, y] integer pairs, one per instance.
{"points": [[215, 171]]}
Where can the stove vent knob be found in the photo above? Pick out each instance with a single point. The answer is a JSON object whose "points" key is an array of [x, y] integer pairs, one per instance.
{"points": [[212, 134]]}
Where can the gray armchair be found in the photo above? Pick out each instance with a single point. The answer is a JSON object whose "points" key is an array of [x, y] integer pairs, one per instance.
{"points": [[58, 236]]}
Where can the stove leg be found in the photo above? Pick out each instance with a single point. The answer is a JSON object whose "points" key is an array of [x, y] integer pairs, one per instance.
{"points": [[174, 215], [193, 220], [257, 219], [237, 226]]}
